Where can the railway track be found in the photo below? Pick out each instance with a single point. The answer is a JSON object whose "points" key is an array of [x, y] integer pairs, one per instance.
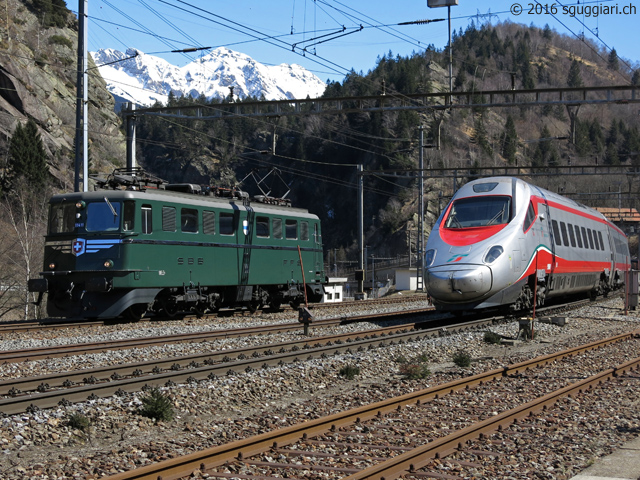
{"points": [[110, 380], [31, 354], [76, 386], [412, 435], [23, 326]]}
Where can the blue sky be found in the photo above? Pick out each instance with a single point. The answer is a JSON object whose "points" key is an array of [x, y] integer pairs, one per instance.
{"points": [[278, 31]]}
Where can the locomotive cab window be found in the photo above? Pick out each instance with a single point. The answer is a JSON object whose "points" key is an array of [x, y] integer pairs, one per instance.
{"points": [[226, 224], [103, 216], [147, 223], [62, 218], [128, 216], [531, 216], [189, 220], [262, 227], [304, 231], [479, 212]]}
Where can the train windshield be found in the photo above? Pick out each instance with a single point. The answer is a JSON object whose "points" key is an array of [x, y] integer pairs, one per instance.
{"points": [[103, 216], [479, 212]]}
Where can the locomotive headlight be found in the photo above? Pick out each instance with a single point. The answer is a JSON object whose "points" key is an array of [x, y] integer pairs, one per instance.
{"points": [[52, 266], [493, 253], [80, 204], [429, 257], [108, 263]]}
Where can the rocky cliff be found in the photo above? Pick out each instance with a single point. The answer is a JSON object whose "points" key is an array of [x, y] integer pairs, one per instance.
{"points": [[38, 80]]}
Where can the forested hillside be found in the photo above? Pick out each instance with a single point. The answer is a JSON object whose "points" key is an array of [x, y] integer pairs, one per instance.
{"points": [[317, 154]]}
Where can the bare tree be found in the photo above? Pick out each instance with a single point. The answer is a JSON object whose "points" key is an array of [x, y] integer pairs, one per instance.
{"points": [[23, 215]]}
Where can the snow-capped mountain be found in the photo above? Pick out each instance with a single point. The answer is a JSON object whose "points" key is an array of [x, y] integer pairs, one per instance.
{"points": [[136, 77]]}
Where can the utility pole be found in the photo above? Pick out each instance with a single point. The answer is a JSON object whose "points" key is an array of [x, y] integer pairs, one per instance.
{"points": [[82, 102], [131, 137], [420, 236]]}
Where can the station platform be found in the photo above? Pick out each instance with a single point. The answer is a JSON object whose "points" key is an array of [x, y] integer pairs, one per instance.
{"points": [[623, 464]]}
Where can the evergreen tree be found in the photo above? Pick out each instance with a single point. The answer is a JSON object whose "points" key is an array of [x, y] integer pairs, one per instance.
{"points": [[612, 61], [479, 136], [510, 145], [27, 156], [635, 78], [574, 78]]}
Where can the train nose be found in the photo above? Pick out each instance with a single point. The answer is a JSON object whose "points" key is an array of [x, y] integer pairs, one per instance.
{"points": [[462, 283]]}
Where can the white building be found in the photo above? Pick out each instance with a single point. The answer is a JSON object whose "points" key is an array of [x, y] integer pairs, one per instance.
{"points": [[334, 290]]}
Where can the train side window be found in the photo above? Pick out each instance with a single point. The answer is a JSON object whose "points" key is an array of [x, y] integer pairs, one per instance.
{"points": [[226, 224], [304, 231], [147, 221], [277, 228], [128, 216], [208, 222], [590, 238], [565, 238], [601, 242], [578, 236], [189, 220], [556, 232], [262, 227], [585, 240], [168, 219], [572, 235], [531, 216], [291, 229]]}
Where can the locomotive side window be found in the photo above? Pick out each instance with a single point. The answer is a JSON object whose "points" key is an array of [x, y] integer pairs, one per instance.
{"points": [[578, 236], [147, 223], [189, 220], [168, 219], [226, 224], [62, 218], [262, 227], [556, 232], [585, 240], [565, 238], [601, 242], [291, 229], [103, 216], [277, 228], [208, 222], [128, 216], [590, 238], [531, 216], [572, 235], [304, 231]]}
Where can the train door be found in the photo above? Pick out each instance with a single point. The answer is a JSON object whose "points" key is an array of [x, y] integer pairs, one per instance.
{"points": [[548, 236]]}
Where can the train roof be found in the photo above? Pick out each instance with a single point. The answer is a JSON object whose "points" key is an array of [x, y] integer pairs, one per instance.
{"points": [[181, 198], [543, 192]]}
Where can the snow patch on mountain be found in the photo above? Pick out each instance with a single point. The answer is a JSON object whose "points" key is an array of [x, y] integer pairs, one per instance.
{"points": [[133, 76]]}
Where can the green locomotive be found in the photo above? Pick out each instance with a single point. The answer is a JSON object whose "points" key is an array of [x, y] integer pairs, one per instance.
{"points": [[143, 247]]}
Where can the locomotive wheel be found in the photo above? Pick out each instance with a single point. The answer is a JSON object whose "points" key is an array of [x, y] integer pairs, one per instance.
{"points": [[169, 308], [136, 312]]}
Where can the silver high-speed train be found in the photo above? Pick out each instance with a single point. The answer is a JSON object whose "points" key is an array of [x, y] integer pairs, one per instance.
{"points": [[504, 242]]}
